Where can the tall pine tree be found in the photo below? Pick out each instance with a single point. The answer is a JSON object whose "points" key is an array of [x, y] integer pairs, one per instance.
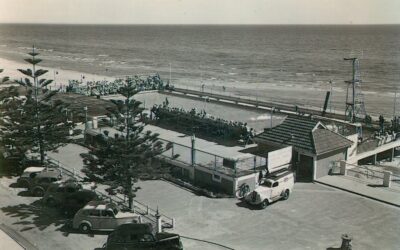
{"points": [[32, 121], [123, 159]]}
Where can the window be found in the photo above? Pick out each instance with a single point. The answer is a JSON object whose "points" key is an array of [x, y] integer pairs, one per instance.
{"points": [[275, 184], [216, 178], [107, 213], [146, 238], [94, 212]]}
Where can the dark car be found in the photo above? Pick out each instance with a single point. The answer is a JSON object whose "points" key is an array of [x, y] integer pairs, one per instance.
{"points": [[42, 181], [58, 191], [75, 201], [141, 236]]}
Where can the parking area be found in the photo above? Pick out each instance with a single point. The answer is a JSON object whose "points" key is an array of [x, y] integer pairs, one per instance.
{"points": [[314, 217]]}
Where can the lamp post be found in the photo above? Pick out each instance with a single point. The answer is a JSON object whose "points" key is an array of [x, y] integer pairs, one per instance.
{"points": [[330, 99], [86, 109], [272, 113]]}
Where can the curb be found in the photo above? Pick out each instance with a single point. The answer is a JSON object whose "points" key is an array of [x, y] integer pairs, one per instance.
{"points": [[17, 237], [363, 195]]}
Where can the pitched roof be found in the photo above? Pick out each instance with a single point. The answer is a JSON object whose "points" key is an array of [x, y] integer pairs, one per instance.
{"points": [[304, 133], [327, 141]]}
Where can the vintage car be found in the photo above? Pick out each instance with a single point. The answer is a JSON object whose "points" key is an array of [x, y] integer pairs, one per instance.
{"points": [[141, 236], [42, 181], [58, 191], [29, 173], [100, 215], [271, 189]]}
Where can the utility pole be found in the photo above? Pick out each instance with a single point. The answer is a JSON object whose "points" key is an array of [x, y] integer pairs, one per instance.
{"points": [[272, 114], [330, 99], [170, 71], [394, 104]]}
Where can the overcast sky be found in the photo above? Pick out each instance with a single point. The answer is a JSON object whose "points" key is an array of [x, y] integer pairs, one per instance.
{"points": [[201, 11]]}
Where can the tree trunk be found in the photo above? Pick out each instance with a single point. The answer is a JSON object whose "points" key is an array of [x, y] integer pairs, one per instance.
{"points": [[130, 194]]}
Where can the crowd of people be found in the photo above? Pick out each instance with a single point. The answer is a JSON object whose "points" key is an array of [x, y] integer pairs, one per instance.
{"points": [[96, 88], [201, 122]]}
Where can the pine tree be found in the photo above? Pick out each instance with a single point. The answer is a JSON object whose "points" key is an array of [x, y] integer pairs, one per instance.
{"points": [[123, 159], [31, 120]]}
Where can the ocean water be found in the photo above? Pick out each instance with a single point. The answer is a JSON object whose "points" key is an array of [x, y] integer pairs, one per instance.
{"points": [[246, 57]]}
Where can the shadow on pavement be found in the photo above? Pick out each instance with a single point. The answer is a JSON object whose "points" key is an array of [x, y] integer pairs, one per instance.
{"points": [[243, 203], [35, 215], [375, 185], [67, 229]]}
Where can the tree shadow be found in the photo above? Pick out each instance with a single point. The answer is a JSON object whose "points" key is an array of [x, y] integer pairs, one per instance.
{"points": [[35, 215]]}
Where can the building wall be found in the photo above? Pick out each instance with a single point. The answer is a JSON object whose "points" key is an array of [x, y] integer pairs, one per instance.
{"points": [[207, 180], [326, 161]]}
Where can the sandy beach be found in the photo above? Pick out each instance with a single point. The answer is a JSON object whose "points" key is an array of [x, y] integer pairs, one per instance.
{"points": [[60, 77], [376, 103]]}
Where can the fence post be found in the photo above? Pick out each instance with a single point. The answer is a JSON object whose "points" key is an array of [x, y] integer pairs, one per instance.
{"points": [[172, 151], [387, 177], [255, 163], [215, 162], [343, 168], [159, 222]]}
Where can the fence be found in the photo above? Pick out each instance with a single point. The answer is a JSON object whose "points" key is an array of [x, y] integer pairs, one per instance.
{"points": [[372, 175], [225, 165], [366, 174], [146, 211]]}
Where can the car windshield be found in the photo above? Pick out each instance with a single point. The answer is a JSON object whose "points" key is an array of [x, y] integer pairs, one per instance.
{"points": [[267, 184]]}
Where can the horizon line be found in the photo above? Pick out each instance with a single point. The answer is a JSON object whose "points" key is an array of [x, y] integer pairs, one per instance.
{"points": [[208, 24]]}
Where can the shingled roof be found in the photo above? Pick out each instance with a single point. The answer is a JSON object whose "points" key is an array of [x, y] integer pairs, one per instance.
{"points": [[326, 141], [304, 133]]}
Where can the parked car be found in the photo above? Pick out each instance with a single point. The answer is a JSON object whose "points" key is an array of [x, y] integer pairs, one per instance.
{"points": [[100, 215], [75, 201], [141, 236], [58, 191], [30, 172], [42, 181], [271, 189], [27, 176]]}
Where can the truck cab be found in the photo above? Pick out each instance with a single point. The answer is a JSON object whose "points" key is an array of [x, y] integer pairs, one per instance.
{"points": [[273, 188]]}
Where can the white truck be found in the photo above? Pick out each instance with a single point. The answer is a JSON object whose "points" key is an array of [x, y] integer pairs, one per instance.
{"points": [[275, 187]]}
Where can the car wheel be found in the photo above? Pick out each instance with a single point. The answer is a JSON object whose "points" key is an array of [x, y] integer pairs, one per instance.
{"points": [[38, 192], [84, 228], [264, 204], [285, 195]]}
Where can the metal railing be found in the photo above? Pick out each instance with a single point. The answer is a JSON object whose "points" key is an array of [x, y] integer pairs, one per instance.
{"points": [[225, 165], [146, 211]]}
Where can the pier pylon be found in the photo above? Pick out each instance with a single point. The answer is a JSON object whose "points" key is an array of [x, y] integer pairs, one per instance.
{"points": [[355, 108]]}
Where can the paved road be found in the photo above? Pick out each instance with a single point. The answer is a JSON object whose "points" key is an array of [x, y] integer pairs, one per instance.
{"points": [[41, 226], [314, 217]]}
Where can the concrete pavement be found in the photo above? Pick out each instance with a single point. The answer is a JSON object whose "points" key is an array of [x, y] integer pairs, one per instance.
{"points": [[354, 185]]}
